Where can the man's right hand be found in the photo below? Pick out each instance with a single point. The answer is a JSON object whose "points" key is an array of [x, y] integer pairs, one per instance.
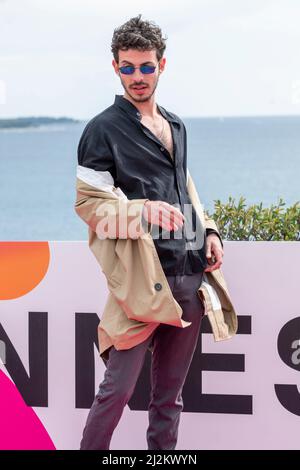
{"points": [[163, 214]]}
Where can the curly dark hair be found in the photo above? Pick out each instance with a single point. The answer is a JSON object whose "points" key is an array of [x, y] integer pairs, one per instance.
{"points": [[138, 34]]}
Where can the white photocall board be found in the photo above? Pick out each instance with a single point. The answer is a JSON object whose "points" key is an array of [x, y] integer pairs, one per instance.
{"points": [[243, 393]]}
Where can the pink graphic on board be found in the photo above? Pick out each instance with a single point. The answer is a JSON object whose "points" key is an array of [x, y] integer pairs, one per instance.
{"points": [[20, 427]]}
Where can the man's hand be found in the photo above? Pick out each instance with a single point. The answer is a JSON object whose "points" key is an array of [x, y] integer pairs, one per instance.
{"points": [[163, 214], [214, 252]]}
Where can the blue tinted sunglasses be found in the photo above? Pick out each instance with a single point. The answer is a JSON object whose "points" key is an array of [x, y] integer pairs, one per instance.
{"points": [[145, 69]]}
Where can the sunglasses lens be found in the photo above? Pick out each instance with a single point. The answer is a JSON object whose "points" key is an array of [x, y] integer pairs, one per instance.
{"points": [[127, 70], [147, 69]]}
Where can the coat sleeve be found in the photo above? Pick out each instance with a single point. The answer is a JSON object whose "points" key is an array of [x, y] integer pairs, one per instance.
{"points": [[108, 213], [209, 223], [101, 205]]}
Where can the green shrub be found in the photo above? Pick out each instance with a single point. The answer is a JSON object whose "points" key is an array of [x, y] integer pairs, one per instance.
{"points": [[275, 223]]}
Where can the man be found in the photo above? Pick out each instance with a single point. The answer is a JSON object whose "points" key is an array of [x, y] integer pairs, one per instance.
{"points": [[139, 148]]}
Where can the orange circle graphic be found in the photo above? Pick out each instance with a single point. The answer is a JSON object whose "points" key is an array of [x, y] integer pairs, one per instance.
{"points": [[22, 267]]}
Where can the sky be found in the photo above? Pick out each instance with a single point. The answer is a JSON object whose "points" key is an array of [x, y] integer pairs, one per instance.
{"points": [[223, 58]]}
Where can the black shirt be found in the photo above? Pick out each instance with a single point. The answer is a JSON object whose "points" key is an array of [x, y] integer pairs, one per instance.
{"points": [[116, 141]]}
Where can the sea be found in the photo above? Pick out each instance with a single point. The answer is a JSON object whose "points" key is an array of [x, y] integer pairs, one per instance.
{"points": [[254, 157]]}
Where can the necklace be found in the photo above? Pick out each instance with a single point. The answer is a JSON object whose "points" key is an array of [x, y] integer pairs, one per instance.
{"points": [[163, 127]]}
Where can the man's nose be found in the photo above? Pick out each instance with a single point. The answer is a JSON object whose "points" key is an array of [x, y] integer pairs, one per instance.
{"points": [[138, 75]]}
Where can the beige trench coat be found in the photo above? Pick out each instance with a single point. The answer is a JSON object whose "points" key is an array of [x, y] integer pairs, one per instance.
{"points": [[134, 306]]}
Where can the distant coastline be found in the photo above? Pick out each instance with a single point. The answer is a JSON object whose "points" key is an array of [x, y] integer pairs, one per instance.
{"points": [[24, 122]]}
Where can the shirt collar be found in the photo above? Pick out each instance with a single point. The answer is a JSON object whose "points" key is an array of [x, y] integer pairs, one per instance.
{"points": [[128, 107]]}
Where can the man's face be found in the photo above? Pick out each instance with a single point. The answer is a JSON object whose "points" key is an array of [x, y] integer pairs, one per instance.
{"points": [[140, 87]]}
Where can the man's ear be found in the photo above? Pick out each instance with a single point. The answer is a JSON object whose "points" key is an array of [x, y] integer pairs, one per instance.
{"points": [[115, 66], [162, 65]]}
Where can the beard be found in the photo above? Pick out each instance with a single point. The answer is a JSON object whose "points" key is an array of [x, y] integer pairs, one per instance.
{"points": [[139, 99]]}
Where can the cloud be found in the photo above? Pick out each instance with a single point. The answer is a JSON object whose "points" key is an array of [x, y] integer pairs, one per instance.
{"points": [[222, 57], [278, 17]]}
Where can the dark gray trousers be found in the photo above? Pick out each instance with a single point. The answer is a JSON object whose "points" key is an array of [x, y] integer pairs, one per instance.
{"points": [[173, 350]]}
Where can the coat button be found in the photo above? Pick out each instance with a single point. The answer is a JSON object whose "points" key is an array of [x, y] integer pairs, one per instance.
{"points": [[158, 286], [162, 149]]}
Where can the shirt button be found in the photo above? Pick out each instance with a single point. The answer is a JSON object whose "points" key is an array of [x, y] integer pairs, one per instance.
{"points": [[138, 114], [158, 286]]}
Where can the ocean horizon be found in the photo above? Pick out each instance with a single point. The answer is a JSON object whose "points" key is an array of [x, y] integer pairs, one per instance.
{"points": [[257, 157]]}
